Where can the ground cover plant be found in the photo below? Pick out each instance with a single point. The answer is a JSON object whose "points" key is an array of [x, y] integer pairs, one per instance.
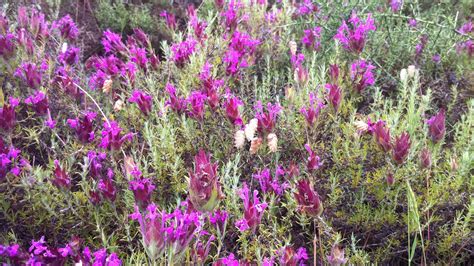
{"points": [[236, 132]]}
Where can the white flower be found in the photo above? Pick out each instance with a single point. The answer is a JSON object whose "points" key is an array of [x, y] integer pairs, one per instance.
{"points": [[251, 128], [411, 70], [272, 142], [404, 75], [255, 145], [361, 126], [118, 105], [107, 86], [239, 139], [293, 47]]}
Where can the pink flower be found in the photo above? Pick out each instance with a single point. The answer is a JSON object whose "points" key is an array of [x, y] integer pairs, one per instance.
{"points": [[84, 127], [31, 74], [436, 126], [39, 102], [267, 118], [232, 104], [106, 186], [382, 136], [334, 95], [7, 114], [61, 178], [353, 38], [308, 199], [253, 210], [142, 188], [425, 158], [311, 38], [143, 100], [334, 73], [311, 112], [67, 27], [361, 75], [314, 162], [112, 42], [197, 100], [181, 52], [204, 187], [270, 183], [170, 19], [466, 28], [176, 103], [401, 147], [395, 5], [112, 137], [289, 257]]}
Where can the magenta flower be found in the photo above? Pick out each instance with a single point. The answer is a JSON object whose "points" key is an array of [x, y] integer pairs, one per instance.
{"points": [[31, 74], [390, 179], [334, 95], [241, 48], [7, 45], [63, 81], [231, 14], [395, 5], [204, 187], [231, 105], [7, 114], [197, 100], [112, 137], [138, 56], [336, 258], [308, 199], [412, 22], [176, 103], [170, 19], [67, 27], [39, 102], [61, 178], [467, 47], [253, 210], [306, 8], [95, 163], [421, 45], [311, 112], [353, 38], [382, 136], [267, 119], [401, 147], [290, 257], [112, 42], [182, 51], [153, 229], [106, 186], [437, 126], [218, 218], [311, 38], [314, 162], [466, 28], [270, 183], [143, 100], [84, 127], [142, 187], [210, 86], [361, 75], [70, 56], [8, 158], [199, 28]]}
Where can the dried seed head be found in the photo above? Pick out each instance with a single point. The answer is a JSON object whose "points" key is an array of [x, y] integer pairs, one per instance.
{"points": [[255, 145], [251, 128], [272, 142]]}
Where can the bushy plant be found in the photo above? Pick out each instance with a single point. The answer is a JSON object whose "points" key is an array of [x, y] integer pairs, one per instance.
{"points": [[263, 134]]}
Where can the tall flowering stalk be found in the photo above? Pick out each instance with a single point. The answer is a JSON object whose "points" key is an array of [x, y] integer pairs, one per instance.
{"points": [[311, 112], [204, 187], [353, 36], [361, 75], [253, 210], [437, 126], [308, 199]]}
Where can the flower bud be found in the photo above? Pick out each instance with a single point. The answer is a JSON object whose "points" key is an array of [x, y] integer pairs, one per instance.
{"points": [[401, 148], [437, 126], [425, 158], [308, 200]]}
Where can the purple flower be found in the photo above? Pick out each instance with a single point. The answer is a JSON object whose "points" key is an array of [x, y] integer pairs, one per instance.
{"points": [[421, 45], [311, 38], [143, 100], [7, 114], [70, 56], [7, 45], [141, 36], [199, 28], [204, 186], [334, 73], [152, 227], [334, 95], [266, 119], [241, 48], [39, 102], [61, 178], [138, 56], [95, 163], [67, 27], [106, 186], [112, 42], [401, 147], [436, 58], [84, 127], [437, 126], [232, 104], [218, 218], [311, 112], [182, 51], [425, 158], [253, 210], [197, 100], [142, 188], [467, 47], [306, 8], [382, 136], [231, 15], [336, 258], [361, 75], [412, 22], [269, 183], [176, 103], [288, 256], [112, 137], [31, 74], [353, 38], [466, 28], [170, 19], [314, 162], [308, 199], [395, 5]]}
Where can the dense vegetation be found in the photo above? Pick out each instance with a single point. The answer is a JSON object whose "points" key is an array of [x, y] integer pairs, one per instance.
{"points": [[236, 132]]}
